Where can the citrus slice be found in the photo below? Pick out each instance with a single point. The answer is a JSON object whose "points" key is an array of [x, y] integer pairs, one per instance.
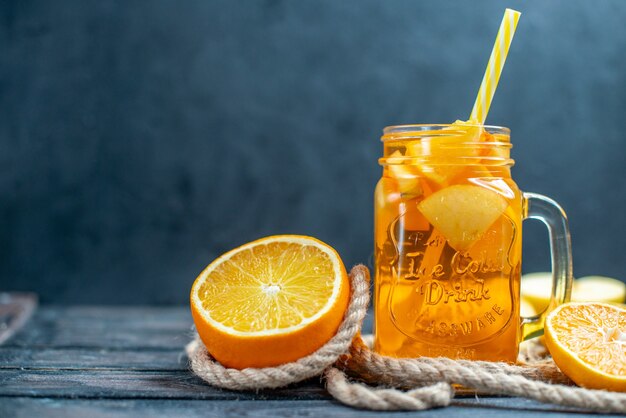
{"points": [[406, 175], [526, 308], [462, 213], [271, 301], [598, 289], [588, 342], [445, 147], [537, 288]]}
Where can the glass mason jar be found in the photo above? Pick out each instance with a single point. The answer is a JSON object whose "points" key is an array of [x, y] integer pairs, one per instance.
{"points": [[448, 245]]}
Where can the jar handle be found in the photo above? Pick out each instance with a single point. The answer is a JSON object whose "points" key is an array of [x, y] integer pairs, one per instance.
{"points": [[552, 215]]}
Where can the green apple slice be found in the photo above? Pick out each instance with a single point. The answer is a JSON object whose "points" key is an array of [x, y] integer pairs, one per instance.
{"points": [[462, 213]]}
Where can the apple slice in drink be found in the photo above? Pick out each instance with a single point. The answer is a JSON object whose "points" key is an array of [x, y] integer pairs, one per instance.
{"points": [[462, 213], [406, 175]]}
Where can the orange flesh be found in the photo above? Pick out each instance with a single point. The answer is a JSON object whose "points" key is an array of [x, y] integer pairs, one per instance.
{"points": [[270, 302], [596, 334], [268, 287]]}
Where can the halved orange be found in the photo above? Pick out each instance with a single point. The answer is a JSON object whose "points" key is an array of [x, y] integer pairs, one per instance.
{"points": [[270, 301], [588, 342]]}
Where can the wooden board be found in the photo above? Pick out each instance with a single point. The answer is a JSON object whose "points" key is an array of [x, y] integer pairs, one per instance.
{"points": [[67, 408], [130, 361]]}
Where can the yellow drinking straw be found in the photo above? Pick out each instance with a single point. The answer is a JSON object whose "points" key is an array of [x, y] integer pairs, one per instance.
{"points": [[494, 67]]}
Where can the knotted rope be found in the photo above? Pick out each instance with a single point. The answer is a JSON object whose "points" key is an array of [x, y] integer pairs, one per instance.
{"points": [[429, 380]]}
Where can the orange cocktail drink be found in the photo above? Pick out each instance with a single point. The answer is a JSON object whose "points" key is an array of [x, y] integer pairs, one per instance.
{"points": [[448, 236], [448, 244]]}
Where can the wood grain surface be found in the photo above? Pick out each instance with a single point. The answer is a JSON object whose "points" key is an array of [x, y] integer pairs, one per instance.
{"points": [[130, 361]]}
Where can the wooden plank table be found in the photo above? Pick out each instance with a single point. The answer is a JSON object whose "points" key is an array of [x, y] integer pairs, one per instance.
{"points": [[130, 361]]}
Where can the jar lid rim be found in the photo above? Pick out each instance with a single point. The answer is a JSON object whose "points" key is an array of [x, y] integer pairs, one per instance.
{"points": [[492, 129]]}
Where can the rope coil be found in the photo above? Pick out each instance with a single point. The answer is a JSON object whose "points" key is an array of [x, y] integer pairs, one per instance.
{"points": [[312, 365], [428, 382]]}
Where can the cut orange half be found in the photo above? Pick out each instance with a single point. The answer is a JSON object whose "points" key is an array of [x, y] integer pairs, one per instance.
{"points": [[588, 342], [271, 301]]}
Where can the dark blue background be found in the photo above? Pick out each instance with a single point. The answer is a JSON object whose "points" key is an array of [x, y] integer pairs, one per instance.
{"points": [[141, 139]]}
